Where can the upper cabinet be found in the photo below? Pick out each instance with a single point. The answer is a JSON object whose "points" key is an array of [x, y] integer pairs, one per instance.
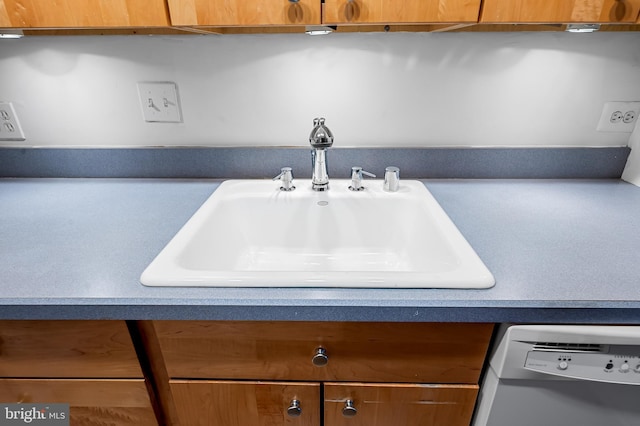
{"points": [[244, 12], [83, 13], [400, 12], [229, 16], [564, 11]]}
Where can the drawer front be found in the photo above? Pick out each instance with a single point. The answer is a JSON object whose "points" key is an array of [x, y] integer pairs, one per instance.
{"points": [[83, 14], [91, 402], [238, 12], [381, 352], [533, 11], [228, 403], [360, 404], [390, 12], [67, 349]]}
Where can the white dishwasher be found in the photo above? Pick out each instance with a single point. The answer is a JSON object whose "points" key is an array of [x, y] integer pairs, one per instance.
{"points": [[555, 375]]}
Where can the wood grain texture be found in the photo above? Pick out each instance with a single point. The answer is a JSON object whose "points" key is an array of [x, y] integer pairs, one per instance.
{"points": [[67, 349], [406, 11], [92, 402], [5, 21], [243, 12], [566, 11], [205, 403], [397, 404], [83, 13], [380, 352], [156, 371]]}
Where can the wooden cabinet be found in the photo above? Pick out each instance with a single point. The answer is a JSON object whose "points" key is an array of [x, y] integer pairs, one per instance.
{"points": [[83, 13], [205, 402], [90, 365], [91, 401], [399, 404], [406, 11], [67, 349], [149, 16], [429, 370], [244, 12], [566, 11], [430, 353]]}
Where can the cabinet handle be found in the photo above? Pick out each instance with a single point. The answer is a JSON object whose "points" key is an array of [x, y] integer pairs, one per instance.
{"points": [[294, 409], [349, 410], [294, 1], [320, 359]]}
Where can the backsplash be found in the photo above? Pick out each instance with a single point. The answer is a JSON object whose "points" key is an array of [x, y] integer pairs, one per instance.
{"points": [[247, 162], [375, 90]]}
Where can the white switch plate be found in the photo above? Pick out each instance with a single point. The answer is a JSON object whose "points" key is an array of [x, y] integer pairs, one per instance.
{"points": [[10, 129], [159, 101], [619, 117]]}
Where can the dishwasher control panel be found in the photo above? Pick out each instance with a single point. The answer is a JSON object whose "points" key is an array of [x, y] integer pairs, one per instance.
{"points": [[621, 366]]}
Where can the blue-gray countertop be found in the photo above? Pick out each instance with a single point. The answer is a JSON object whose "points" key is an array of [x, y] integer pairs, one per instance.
{"points": [[562, 251]]}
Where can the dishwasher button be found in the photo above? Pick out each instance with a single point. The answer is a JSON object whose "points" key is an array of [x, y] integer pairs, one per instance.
{"points": [[609, 366], [563, 365], [624, 368]]}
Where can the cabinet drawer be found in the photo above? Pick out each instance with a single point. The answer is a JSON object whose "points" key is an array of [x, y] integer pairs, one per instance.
{"points": [[398, 404], [407, 11], [228, 403], [83, 13], [239, 12], [380, 352], [67, 349], [566, 11], [91, 402]]}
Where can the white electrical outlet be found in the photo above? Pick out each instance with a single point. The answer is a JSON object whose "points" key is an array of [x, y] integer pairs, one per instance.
{"points": [[10, 129], [159, 101], [619, 117]]}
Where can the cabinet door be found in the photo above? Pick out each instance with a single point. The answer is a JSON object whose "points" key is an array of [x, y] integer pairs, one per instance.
{"points": [[67, 349], [565, 11], [83, 13], [244, 12], [229, 403], [375, 352], [91, 402], [398, 404], [405, 11]]}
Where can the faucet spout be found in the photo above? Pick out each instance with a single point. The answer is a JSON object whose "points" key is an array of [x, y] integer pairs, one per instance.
{"points": [[320, 177], [320, 139]]}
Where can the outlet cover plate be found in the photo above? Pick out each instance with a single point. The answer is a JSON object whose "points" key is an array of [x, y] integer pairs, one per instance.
{"points": [[612, 110], [10, 129], [159, 101]]}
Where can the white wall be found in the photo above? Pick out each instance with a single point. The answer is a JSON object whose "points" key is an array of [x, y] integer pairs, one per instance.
{"points": [[465, 89], [632, 170]]}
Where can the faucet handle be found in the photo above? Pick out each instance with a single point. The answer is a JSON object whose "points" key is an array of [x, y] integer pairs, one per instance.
{"points": [[391, 179], [286, 176], [356, 178]]}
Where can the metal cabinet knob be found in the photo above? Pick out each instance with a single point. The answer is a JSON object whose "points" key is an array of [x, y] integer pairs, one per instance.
{"points": [[349, 410], [294, 409], [320, 359]]}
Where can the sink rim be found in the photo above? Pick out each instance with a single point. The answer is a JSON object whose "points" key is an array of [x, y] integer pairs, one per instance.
{"points": [[164, 270]]}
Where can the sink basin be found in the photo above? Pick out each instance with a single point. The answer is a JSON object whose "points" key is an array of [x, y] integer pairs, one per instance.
{"points": [[251, 234]]}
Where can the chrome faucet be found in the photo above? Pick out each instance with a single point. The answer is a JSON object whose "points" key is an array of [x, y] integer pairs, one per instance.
{"points": [[320, 139]]}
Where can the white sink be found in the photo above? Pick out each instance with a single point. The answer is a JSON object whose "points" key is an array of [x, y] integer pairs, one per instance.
{"points": [[251, 234]]}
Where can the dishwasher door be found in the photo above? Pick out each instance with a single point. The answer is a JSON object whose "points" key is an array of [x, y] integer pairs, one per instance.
{"points": [[562, 376]]}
